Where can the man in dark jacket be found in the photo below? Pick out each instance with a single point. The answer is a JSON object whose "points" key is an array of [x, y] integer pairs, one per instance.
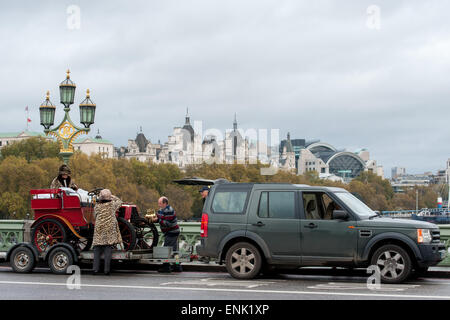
{"points": [[167, 219]]}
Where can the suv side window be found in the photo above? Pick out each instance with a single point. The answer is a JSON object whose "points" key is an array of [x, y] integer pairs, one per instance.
{"points": [[318, 206], [277, 205], [229, 201]]}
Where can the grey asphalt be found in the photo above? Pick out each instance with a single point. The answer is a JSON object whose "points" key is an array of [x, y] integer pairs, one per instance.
{"points": [[146, 283]]}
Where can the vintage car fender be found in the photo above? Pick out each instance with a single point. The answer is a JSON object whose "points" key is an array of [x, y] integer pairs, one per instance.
{"points": [[62, 219]]}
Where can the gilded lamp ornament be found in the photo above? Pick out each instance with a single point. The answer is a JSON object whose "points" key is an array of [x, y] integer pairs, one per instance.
{"points": [[66, 132]]}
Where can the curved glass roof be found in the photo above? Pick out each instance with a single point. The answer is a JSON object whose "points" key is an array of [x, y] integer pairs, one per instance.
{"points": [[346, 162]]}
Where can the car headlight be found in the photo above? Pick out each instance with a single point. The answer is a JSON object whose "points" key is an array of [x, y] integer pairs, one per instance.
{"points": [[424, 236]]}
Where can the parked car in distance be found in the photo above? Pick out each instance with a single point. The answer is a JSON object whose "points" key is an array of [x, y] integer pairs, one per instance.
{"points": [[253, 228]]}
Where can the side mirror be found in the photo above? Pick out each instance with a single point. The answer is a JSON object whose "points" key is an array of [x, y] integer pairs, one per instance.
{"points": [[340, 215]]}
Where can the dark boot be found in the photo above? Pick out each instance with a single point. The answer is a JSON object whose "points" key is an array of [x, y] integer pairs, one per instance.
{"points": [[177, 268]]}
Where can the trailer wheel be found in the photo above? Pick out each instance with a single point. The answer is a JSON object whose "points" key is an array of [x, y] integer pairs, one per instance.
{"points": [[128, 234], [22, 260], [59, 260]]}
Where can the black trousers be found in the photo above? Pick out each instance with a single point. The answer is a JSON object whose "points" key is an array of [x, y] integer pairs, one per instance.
{"points": [[107, 251], [171, 240]]}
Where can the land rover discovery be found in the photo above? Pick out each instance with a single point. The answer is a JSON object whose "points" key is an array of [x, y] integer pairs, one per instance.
{"points": [[255, 227]]}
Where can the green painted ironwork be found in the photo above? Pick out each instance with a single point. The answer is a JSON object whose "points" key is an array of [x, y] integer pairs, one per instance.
{"points": [[67, 132], [445, 237], [11, 232], [189, 237]]}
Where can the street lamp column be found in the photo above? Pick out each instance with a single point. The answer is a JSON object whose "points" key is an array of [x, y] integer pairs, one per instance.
{"points": [[66, 132]]}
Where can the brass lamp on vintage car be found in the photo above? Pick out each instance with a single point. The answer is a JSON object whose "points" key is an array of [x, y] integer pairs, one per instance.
{"points": [[151, 214]]}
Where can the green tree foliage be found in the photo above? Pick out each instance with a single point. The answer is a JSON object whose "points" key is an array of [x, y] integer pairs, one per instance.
{"points": [[31, 149], [381, 185]]}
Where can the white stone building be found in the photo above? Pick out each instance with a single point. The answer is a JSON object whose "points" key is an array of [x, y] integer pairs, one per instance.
{"points": [[8, 138], [96, 145]]}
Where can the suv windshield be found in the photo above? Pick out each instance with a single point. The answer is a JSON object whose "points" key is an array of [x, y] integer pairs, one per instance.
{"points": [[356, 205]]}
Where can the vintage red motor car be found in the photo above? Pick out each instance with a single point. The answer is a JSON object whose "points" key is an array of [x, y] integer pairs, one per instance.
{"points": [[60, 215]]}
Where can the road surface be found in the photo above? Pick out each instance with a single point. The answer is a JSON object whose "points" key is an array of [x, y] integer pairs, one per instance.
{"points": [[149, 284]]}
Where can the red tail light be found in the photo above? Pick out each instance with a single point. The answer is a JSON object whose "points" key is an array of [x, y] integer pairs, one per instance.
{"points": [[204, 226]]}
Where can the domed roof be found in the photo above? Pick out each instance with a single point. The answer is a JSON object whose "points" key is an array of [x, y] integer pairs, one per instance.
{"points": [[187, 126], [142, 142]]}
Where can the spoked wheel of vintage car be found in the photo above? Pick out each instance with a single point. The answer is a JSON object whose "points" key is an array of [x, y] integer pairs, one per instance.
{"points": [[146, 234], [47, 233], [128, 234]]}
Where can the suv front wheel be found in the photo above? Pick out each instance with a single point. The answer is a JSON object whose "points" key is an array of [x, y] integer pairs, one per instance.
{"points": [[243, 261], [394, 263]]}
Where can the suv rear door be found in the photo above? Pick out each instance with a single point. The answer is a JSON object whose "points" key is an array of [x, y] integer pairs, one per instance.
{"points": [[324, 240], [273, 216]]}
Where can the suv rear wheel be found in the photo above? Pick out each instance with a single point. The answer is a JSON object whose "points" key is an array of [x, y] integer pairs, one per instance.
{"points": [[243, 261], [394, 263]]}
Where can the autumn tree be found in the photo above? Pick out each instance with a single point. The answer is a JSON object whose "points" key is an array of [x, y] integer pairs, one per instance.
{"points": [[31, 149], [180, 200]]}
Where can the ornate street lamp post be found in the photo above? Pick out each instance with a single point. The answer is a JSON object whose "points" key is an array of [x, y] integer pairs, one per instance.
{"points": [[66, 132]]}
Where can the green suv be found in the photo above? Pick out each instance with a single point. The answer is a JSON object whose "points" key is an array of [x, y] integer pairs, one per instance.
{"points": [[254, 228]]}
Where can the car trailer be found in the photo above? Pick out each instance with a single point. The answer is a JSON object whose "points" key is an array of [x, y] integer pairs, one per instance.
{"points": [[24, 257]]}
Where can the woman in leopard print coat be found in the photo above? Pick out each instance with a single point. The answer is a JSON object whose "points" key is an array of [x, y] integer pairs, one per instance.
{"points": [[106, 231]]}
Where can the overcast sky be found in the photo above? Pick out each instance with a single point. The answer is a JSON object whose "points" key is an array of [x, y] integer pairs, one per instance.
{"points": [[318, 69]]}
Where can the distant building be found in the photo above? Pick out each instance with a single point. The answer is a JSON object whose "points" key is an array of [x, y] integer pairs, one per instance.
{"points": [[186, 147], [96, 145], [8, 138], [397, 171], [330, 162], [405, 182]]}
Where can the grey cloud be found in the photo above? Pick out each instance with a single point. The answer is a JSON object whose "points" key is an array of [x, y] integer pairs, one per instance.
{"points": [[311, 68]]}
